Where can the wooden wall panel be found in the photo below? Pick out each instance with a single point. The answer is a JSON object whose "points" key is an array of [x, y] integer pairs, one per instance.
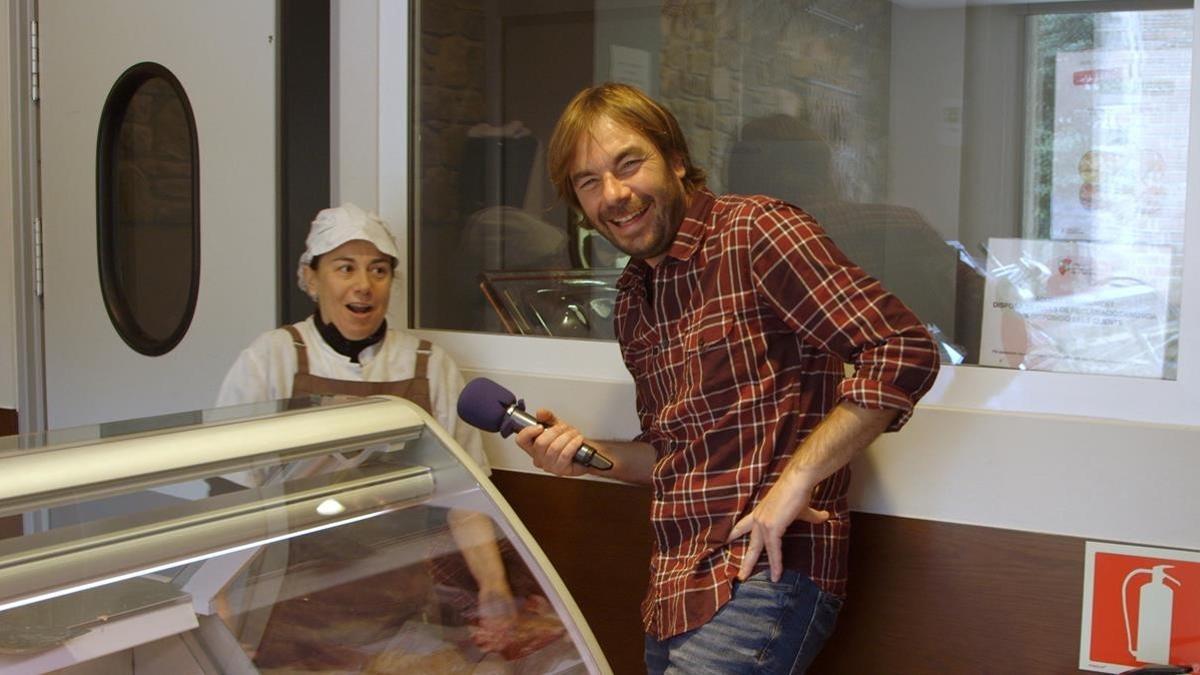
{"points": [[8, 422], [9, 526], [930, 597], [597, 536], [925, 597]]}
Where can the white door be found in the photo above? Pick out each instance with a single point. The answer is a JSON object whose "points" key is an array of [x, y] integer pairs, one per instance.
{"points": [[223, 53]]}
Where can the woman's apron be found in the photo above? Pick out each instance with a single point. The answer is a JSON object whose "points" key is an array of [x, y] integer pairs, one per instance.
{"points": [[415, 389], [378, 605], [385, 599]]}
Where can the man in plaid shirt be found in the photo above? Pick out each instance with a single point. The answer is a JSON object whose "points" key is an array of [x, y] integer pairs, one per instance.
{"points": [[735, 317]]}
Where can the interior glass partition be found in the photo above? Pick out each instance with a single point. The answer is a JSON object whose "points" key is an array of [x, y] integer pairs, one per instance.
{"points": [[1014, 172]]}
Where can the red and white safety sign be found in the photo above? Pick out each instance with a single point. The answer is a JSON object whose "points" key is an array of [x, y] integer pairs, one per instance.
{"points": [[1140, 605]]}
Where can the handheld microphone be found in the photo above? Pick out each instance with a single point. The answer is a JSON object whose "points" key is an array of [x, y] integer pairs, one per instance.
{"points": [[491, 407]]}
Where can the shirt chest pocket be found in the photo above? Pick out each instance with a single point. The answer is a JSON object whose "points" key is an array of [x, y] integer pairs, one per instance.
{"points": [[710, 333], [713, 368]]}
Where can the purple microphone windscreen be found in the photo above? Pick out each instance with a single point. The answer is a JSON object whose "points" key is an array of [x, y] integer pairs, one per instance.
{"points": [[483, 404]]}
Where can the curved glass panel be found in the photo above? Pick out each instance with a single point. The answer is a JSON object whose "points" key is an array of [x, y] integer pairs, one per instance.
{"points": [[350, 544], [148, 213]]}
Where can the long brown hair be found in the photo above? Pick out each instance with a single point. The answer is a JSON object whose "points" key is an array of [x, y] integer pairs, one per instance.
{"points": [[624, 105]]}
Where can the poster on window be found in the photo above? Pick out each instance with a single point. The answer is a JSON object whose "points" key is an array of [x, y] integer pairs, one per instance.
{"points": [[1119, 164], [1076, 307]]}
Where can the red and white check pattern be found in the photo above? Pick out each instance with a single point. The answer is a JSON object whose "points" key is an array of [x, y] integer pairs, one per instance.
{"points": [[736, 342]]}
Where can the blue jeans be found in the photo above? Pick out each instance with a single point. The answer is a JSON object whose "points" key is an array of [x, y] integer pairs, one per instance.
{"points": [[764, 628]]}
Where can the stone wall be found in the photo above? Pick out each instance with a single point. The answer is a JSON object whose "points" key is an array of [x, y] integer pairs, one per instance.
{"points": [[451, 99], [727, 62]]}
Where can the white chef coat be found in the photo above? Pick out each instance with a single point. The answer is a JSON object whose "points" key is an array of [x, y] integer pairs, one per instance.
{"points": [[264, 372]]}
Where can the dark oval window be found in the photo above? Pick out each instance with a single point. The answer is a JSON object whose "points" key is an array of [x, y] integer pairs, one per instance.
{"points": [[148, 209]]}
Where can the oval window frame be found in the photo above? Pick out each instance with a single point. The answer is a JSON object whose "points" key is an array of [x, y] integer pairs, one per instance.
{"points": [[112, 119]]}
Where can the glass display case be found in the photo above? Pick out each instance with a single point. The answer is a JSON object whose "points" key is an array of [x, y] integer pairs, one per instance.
{"points": [[560, 303], [307, 536]]}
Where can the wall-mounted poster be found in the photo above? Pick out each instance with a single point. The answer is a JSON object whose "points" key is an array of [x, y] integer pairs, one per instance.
{"points": [[1119, 167], [1077, 307]]}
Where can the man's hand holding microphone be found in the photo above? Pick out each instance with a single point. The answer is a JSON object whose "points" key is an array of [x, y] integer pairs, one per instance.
{"points": [[554, 447]]}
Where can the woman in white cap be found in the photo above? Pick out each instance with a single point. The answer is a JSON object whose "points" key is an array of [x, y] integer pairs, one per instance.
{"points": [[346, 348]]}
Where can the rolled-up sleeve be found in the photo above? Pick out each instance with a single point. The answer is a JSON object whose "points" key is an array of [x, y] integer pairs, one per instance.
{"points": [[838, 308]]}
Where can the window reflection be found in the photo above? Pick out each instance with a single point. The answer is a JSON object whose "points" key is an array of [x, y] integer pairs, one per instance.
{"points": [[1014, 173]]}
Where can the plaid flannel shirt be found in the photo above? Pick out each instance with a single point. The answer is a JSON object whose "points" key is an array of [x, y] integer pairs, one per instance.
{"points": [[736, 342]]}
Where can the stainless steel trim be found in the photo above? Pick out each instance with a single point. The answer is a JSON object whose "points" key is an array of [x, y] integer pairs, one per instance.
{"points": [[77, 472]]}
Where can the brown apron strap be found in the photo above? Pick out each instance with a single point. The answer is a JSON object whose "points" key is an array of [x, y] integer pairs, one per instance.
{"points": [[415, 389], [424, 349], [301, 350]]}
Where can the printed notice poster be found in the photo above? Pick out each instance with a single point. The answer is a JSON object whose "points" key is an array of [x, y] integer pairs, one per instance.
{"points": [[1120, 167], [1141, 606], [1076, 307]]}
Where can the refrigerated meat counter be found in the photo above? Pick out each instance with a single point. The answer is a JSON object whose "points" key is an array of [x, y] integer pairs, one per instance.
{"points": [[315, 535]]}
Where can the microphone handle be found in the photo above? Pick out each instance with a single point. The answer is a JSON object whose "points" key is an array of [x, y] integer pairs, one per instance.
{"points": [[585, 455]]}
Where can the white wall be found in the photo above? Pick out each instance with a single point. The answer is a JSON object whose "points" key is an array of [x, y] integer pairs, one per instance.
{"points": [[8, 321], [356, 138], [354, 132], [1058, 474]]}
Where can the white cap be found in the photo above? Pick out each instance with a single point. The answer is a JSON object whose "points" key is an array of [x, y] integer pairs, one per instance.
{"points": [[335, 226]]}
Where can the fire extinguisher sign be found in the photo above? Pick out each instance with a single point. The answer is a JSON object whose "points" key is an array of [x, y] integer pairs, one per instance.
{"points": [[1140, 606]]}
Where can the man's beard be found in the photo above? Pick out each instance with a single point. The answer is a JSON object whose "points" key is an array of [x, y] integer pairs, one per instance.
{"points": [[662, 231]]}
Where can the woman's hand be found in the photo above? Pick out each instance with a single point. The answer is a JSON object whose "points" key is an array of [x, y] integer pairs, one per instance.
{"points": [[497, 613]]}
